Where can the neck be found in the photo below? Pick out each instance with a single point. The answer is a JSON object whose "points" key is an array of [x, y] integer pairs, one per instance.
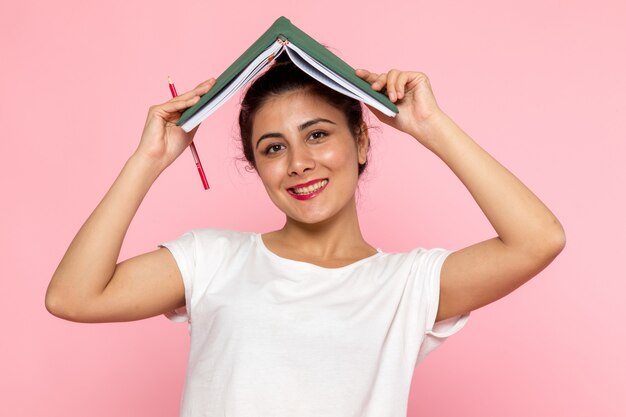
{"points": [[335, 237]]}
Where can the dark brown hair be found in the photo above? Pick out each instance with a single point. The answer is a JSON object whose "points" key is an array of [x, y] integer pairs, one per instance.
{"points": [[282, 77]]}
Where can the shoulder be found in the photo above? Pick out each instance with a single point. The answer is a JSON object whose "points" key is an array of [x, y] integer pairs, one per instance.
{"points": [[224, 235], [418, 256], [419, 264], [203, 240]]}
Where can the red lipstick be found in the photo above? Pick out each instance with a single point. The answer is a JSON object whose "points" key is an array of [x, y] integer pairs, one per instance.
{"points": [[306, 184], [307, 196]]}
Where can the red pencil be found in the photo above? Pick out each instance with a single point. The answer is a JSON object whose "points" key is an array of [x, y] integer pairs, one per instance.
{"points": [[191, 146]]}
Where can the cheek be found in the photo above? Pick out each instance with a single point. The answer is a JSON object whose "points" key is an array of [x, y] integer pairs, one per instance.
{"points": [[270, 173], [338, 157], [343, 166]]}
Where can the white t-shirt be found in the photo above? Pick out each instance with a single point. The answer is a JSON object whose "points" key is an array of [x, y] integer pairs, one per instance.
{"points": [[274, 337]]}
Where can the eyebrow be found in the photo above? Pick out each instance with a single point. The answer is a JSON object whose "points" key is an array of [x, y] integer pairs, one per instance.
{"points": [[300, 128]]}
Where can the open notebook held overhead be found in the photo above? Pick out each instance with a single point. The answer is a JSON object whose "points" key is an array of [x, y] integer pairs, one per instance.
{"points": [[305, 52]]}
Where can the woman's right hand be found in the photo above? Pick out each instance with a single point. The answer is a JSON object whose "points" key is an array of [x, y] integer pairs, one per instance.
{"points": [[162, 141]]}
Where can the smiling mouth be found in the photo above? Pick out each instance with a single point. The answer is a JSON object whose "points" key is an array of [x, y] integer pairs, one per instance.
{"points": [[306, 193], [310, 189]]}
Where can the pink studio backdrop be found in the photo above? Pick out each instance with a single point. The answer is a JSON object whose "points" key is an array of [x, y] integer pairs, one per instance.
{"points": [[538, 84]]}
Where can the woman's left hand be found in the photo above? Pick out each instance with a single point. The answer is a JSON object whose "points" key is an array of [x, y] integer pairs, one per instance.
{"points": [[411, 92]]}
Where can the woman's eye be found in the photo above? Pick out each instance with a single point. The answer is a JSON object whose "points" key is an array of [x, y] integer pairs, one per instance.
{"points": [[317, 135], [273, 148]]}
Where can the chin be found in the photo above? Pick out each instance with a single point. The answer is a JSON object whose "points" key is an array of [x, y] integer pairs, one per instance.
{"points": [[314, 217], [306, 219], [312, 211]]}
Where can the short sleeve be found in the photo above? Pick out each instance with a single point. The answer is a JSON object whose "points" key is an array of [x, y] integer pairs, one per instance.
{"points": [[430, 266], [183, 250]]}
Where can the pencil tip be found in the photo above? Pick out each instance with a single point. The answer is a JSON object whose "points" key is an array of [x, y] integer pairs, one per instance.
{"points": [[169, 80]]}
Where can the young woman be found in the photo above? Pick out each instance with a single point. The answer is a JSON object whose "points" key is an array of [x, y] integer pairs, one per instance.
{"points": [[308, 320]]}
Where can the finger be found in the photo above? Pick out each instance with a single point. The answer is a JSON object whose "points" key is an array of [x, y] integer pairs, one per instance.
{"points": [[360, 72], [207, 82], [392, 77], [204, 86], [170, 109], [200, 89], [368, 76], [401, 84], [380, 83], [178, 104]]}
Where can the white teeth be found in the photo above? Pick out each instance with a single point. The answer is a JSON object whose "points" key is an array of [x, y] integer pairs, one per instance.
{"points": [[310, 188]]}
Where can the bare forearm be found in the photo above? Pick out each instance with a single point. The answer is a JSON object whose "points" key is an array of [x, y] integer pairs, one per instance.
{"points": [[520, 219], [91, 258]]}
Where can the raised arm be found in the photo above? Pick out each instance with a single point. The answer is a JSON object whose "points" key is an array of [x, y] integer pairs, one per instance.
{"points": [[89, 285], [529, 236]]}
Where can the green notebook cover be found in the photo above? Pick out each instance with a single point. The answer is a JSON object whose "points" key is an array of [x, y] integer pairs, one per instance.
{"points": [[284, 29]]}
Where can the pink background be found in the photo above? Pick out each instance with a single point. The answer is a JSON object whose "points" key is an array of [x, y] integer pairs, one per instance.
{"points": [[539, 85]]}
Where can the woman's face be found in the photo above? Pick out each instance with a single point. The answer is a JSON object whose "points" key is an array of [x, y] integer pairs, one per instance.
{"points": [[306, 156]]}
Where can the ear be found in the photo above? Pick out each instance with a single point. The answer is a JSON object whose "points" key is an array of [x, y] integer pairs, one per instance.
{"points": [[363, 144]]}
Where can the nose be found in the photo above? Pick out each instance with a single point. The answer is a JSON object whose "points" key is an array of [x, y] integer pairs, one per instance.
{"points": [[300, 160]]}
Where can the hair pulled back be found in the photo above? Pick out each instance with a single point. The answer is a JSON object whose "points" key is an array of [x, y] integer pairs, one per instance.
{"points": [[283, 77]]}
